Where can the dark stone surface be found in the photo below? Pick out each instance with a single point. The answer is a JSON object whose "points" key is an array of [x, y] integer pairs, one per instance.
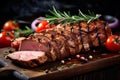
{"points": [[30, 9]]}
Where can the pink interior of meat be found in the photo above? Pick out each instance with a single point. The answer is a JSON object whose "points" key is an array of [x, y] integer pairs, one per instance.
{"points": [[26, 55], [14, 55], [31, 45]]}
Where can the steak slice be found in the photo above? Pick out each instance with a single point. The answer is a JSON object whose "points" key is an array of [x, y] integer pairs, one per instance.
{"points": [[32, 45], [28, 58]]}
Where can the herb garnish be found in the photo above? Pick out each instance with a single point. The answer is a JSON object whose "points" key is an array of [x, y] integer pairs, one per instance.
{"points": [[23, 32], [59, 17]]}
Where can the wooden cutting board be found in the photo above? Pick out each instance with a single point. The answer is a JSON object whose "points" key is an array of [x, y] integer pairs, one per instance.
{"points": [[56, 70]]}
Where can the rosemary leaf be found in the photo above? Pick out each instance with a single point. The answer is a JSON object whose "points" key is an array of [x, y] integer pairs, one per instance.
{"points": [[23, 32], [81, 14]]}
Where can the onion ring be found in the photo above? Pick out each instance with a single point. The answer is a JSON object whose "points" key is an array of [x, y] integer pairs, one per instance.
{"points": [[35, 22], [114, 23]]}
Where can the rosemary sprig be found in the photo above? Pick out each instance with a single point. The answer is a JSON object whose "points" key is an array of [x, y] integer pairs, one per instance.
{"points": [[23, 32], [59, 17]]}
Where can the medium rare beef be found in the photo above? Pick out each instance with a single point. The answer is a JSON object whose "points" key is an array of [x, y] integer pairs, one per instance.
{"points": [[31, 45], [28, 58], [66, 40]]}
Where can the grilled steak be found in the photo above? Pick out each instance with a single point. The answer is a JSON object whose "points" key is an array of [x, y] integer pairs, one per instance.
{"points": [[66, 40]]}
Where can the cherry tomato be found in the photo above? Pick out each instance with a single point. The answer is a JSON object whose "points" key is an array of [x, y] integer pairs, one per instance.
{"points": [[5, 39], [113, 43], [10, 25], [42, 26]]}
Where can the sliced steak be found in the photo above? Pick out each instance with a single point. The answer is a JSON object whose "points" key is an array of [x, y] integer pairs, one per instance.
{"points": [[28, 58], [66, 40]]}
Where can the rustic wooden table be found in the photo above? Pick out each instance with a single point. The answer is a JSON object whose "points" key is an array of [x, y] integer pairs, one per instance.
{"points": [[103, 66]]}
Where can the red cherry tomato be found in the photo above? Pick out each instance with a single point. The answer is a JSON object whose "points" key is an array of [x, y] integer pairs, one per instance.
{"points": [[5, 39], [10, 25], [113, 43], [42, 26]]}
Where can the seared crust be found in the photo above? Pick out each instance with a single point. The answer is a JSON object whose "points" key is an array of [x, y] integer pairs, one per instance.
{"points": [[65, 40], [68, 39]]}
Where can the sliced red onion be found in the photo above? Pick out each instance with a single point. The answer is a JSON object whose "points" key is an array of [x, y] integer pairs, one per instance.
{"points": [[35, 22], [114, 23]]}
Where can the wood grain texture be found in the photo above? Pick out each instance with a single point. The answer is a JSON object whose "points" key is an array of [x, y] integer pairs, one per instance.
{"points": [[60, 71]]}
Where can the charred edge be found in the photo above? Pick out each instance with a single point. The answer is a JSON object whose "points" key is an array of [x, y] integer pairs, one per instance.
{"points": [[75, 39], [105, 26], [56, 46], [90, 41], [57, 50], [53, 43], [29, 64], [67, 49], [99, 41], [48, 56], [72, 28], [60, 47], [48, 46], [80, 34], [31, 36], [36, 61], [66, 44]]}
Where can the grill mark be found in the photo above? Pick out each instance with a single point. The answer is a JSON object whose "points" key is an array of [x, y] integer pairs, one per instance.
{"points": [[104, 24], [66, 38], [90, 41], [80, 34], [66, 44], [62, 43], [75, 41], [49, 42], [99, 41]]}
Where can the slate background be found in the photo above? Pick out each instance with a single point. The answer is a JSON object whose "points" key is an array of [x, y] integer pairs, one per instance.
{"points": [[31, 9]]}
